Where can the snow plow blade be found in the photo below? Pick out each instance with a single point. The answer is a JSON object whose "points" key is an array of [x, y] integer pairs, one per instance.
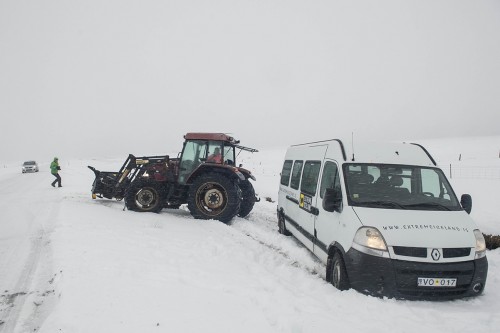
{"points": [[114, 185], [104, 185]]}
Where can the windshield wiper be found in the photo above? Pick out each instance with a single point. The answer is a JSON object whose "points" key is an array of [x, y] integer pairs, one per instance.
{"points": [[429, 205], [384, 203]]}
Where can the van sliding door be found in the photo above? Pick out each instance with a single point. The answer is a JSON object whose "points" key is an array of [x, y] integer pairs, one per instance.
{"points": [[301, 209]]}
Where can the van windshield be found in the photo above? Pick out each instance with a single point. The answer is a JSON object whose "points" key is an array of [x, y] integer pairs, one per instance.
{"points": [[398, 187]]}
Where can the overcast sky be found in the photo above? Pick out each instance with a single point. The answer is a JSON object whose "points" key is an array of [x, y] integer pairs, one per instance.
{"points": [[106, 78]]}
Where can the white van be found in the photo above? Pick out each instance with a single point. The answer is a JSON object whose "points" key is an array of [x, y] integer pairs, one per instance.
{"points": [[383, 218]]}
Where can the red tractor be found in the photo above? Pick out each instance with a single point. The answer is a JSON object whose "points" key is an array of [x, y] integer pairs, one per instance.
{"points": [[204, 176]]}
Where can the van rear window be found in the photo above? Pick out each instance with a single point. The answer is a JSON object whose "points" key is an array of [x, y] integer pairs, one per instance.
{"points": [[296, 172], [286, 172]]}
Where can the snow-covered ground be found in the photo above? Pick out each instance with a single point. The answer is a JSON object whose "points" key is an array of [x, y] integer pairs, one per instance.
{"points": [[72, 264]]}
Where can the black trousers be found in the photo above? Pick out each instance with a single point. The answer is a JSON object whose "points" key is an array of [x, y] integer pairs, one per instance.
{"points": [[58, 179]]}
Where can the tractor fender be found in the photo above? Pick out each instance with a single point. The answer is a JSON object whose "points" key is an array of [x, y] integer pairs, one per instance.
{"points": [[247, 173], [230, 171]]}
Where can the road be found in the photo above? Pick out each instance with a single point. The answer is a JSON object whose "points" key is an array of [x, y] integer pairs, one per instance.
{"points": [[72, 264], [28, 208]]}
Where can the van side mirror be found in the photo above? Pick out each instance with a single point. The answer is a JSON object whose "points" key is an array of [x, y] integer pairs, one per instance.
{"points": [[466, 202], [332, 200]]}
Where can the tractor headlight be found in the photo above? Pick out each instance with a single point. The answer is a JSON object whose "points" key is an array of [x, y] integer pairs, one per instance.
{"points": [[370, 241], [480, 244]]}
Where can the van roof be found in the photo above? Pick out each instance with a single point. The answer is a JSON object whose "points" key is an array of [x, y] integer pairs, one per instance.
{"points": [[371, 152]]}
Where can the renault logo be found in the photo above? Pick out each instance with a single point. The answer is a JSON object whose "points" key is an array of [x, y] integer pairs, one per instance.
{"points": [[435, 254]]}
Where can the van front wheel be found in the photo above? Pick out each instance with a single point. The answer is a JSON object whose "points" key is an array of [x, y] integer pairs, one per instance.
{"points": [[339, 276]]}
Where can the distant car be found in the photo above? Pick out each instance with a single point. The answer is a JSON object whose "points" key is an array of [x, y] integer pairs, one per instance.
{"points": [[30, 166]]}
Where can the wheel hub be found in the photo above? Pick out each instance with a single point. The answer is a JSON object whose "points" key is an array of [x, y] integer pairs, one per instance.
{"points": [[145, 197], [214, 198]]}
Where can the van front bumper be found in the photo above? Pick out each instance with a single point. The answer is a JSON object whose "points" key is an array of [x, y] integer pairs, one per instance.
{"points": [[384, 277]]}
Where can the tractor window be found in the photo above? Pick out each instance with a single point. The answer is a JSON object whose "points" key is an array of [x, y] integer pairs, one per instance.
{"points": [[191, 157], [228, 156], [219, 154], [194, 151], [215, 153]]}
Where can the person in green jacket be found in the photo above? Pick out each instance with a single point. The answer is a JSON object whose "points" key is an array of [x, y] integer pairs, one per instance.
{"points": [[54, 169]]}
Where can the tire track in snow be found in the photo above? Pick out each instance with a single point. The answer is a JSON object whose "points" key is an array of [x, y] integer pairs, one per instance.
{"points": [[261, 227], [26, 265]]}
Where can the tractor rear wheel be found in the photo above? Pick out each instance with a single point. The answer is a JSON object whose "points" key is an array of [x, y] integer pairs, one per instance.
{"points": [[144, 197], [214, 196], [248, 194]]}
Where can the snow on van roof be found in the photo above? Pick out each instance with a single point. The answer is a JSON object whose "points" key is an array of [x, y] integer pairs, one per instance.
{"points": [[390, 153], [371, 152]]}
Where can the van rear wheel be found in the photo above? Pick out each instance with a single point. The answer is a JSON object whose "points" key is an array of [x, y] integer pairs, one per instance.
{"points": [[281, 225], [340, 280]]}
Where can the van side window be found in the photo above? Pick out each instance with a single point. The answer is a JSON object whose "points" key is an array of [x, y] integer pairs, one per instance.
{"points": [[296, 172], [286, 172], [330, 178], [310, 177]]}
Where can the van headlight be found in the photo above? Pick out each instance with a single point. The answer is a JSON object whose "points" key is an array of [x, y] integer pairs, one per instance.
{"points": [[480, 244], [370, 241]]}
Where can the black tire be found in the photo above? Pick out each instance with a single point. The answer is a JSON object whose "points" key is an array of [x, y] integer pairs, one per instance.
{"points": [[339, 278], [248, 198], [282, 226], [144, 197], [214, 196]]}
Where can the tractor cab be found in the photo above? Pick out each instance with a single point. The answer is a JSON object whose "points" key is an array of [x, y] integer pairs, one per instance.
{"points": [[215, 150]]}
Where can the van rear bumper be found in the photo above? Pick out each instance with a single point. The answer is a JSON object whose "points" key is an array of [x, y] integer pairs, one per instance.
{"points": [[384, 277]]}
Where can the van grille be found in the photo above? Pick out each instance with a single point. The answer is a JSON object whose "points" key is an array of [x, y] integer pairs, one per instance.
{"points": [[456, 252], [407, 274], [421, 252]]}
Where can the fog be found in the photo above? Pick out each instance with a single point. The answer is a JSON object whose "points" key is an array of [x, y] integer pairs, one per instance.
{"points": [[105, 78]]}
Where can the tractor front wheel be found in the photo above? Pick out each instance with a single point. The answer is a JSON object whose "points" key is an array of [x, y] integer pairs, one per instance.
{"points": [[214, 196], [144, 197]]}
